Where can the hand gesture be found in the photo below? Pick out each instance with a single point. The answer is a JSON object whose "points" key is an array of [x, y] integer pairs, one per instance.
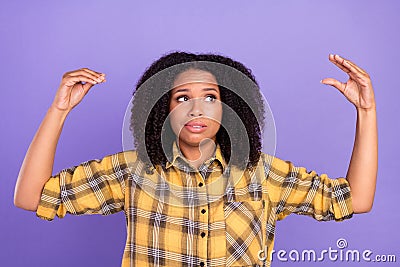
{"points": [[358, 88], [74, 86]]}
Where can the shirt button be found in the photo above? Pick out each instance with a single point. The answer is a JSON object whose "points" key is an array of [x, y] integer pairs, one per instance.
{"points": [[201, 264], [203, 211], [200, 184], [203, 234]]}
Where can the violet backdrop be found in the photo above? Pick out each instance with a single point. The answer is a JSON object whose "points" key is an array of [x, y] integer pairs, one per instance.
{"points": [[285, 43]]}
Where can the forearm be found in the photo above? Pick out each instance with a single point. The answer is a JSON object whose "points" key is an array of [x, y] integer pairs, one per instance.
{"points": [[38, 163], [363, 165]]}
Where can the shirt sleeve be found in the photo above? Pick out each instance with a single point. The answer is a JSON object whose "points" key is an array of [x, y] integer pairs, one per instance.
{"points": [[93, 187], [293, 189]]}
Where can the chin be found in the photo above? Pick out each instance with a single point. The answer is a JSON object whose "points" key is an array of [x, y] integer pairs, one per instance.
{"points": [[195, 141]]}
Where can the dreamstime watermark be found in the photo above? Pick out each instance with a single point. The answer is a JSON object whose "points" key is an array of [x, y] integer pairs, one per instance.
{"points": [[340, 253]]}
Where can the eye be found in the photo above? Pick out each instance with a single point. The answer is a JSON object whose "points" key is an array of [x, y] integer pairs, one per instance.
{"points": [[210, 98], [182, 98]]}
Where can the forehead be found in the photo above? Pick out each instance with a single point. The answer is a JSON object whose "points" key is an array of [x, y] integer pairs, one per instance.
{"points": [[194, 76]]}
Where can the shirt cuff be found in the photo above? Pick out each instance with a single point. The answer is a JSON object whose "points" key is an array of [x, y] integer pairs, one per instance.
{"points": [[342, 205], [50, 201]]}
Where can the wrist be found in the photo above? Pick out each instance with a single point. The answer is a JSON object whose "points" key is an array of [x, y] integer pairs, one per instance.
{"points": [[60, 113], [372, 109]]}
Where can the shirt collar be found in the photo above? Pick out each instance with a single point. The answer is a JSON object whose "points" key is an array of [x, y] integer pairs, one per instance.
{"points": [[176, 154]]}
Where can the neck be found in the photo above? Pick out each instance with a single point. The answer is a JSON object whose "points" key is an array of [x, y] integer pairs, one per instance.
{"points": [[196, 155]]}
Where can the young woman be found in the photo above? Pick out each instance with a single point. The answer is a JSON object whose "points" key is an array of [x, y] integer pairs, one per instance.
{"points": [[197, 190]]}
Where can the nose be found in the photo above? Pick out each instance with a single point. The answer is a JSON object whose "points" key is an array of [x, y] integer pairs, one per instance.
{"points": [[196, 109]]}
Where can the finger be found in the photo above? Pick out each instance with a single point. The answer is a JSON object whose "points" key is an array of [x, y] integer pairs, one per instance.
{"points": [[351, 63], [338, 64], [354, 73], [101, 77], [88, 75], [85, 69], [97, 74], [72, 80], [346, 67], [335, 83], [92, 71], [86, 87]]}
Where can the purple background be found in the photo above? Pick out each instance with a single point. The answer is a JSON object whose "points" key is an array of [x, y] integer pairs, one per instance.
{"points": [[285, 43]]}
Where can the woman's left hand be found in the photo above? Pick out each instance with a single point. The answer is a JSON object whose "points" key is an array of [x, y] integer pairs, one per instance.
{"points": [[358, 88]]}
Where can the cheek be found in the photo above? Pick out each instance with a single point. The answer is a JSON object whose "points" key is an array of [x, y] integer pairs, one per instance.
{"points": [[176, 120], [214, 112]]}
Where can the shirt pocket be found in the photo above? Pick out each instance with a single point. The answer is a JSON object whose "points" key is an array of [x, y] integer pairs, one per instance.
{"points": [[243, 230]]}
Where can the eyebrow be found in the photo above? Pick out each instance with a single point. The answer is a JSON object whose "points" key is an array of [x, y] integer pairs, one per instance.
{"points": [[187, 90]]}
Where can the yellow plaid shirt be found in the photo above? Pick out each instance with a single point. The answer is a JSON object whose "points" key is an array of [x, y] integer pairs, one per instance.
{"points": [[217, 215]]}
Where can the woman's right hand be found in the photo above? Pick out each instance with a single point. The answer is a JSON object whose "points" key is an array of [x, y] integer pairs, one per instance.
{"points": [[74, 86]]}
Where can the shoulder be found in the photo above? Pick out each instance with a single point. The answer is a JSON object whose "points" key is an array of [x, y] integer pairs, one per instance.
{"points": [[113, 161], [274, 163], [121, 157]]}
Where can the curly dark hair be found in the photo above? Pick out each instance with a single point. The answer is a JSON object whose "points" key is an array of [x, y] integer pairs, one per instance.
{"points": [[239, 90]]}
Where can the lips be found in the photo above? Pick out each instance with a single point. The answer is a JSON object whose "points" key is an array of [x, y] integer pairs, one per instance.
{"points": [[196, 124]]}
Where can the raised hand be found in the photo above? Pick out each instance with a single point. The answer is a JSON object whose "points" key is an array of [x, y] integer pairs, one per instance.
{"points": [[358, 88], [363, 166], [74, 86]]}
